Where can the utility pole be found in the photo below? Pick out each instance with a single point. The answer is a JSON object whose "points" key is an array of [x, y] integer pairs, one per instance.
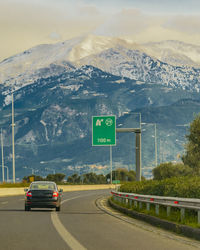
{"points": [[7, 173], [2, 156], [156, 157], [13, 139]]}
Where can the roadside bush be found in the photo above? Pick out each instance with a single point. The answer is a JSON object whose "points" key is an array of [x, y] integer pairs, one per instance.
{"points": [[187, 187], [168, 170]]}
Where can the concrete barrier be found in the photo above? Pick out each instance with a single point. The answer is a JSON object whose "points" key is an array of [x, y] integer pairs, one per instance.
{"points": [[66, 188]]}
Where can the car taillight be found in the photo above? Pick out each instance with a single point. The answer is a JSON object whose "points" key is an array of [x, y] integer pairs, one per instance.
{"points": [[55, 194], [29, 194]]}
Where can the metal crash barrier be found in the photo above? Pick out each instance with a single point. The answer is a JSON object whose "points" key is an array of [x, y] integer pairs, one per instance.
{"points": [[137, 200]]}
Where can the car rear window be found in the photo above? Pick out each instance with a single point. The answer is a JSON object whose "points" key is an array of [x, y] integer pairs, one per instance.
{"points": [[44, 186]]}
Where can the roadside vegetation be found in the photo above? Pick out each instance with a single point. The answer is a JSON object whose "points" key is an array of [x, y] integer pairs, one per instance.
{"points": [[120, 175], [177, 180], [189, 220], [186, 187]]}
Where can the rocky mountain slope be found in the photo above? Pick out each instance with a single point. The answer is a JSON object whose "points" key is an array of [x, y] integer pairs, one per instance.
{"points": [[58, 88]]}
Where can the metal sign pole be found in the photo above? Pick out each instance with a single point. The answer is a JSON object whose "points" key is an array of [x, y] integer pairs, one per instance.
{"points": [[110, 164], [137, 131]]}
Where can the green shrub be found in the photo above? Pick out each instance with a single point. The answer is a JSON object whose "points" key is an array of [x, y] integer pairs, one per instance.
{"points": [[168, 170], [187, 187]]}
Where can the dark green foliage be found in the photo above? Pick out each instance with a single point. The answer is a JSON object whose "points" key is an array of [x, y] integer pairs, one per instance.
{"points": [[93, 178], [192, 156], [89, 178], [168, 170], [51, 177], [122, 174], [36, 178], [55, 177], [187, 187]]}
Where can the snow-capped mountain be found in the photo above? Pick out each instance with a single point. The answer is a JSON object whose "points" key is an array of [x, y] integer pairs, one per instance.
{"points": [[174, 52], [153, 62], [59, 87]]}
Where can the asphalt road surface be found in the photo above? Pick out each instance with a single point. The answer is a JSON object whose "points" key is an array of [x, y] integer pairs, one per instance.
{"points": [[80, 224]]}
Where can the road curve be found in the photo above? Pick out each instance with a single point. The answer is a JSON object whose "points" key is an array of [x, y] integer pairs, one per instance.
{"points": [[79, 225]]}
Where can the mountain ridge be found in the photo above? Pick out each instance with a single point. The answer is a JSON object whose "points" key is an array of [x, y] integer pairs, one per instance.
{"points": [[55, 103]]}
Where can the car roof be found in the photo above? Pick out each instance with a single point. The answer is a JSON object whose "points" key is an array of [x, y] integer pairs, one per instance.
{"points": [[45, 182]]}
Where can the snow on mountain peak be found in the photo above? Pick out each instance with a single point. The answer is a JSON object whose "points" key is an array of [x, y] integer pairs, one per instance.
{"points": [[96, 44], [113, 55], [174, 52]]}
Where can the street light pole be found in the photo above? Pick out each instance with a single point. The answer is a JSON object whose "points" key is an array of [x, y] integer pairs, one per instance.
{"points": [[2, 156], [7, 173], [155, 140], [13, 139], [156, 157]]}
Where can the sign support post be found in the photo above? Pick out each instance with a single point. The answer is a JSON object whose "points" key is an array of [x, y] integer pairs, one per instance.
{"points": [[104, 134], [110, 164]]}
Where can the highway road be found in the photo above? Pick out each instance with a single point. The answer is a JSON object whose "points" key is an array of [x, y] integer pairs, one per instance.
{"points": [[80, 224]]}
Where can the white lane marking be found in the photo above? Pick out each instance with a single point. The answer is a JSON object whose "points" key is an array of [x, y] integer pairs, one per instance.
{"points": [[66, 236], [4, 202], [21, 199]]}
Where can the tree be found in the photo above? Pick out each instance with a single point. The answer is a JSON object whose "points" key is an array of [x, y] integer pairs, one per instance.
{"points": [[192, 156], [36, 178], [75, 178], [55, 177], [122, 174], [168, 170], [90, 178]]}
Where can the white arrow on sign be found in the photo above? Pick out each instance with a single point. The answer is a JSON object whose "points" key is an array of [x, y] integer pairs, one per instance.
{"points": [[98, 122]]}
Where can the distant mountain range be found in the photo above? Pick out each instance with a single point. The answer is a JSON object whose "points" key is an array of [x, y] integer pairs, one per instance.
{"points": [[58, 88]]}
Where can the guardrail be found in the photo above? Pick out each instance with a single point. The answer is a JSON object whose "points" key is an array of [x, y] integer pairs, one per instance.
{"points": [[139, 199]]}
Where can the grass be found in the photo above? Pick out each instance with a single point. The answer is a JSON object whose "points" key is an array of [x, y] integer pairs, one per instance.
{"points": [[14, 185], [189, 220]]}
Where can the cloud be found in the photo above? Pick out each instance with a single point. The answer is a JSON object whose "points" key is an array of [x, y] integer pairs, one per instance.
{"points": [[55, 36], [24, 24], [125, 23], [186, 24]]}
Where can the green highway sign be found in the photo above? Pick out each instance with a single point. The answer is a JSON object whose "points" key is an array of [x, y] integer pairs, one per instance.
{"points": [[116, 182], [103, 130]]}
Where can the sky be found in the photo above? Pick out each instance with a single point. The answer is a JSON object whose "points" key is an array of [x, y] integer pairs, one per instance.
{"points": [[27, 23]]}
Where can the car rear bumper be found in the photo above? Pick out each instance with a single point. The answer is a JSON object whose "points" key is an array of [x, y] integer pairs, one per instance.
{"points": [[39, 204]]}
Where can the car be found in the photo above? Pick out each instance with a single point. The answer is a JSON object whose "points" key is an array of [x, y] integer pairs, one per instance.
{"points": [[43, 194]]}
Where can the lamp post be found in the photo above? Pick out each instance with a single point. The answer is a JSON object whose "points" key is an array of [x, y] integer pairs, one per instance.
{"points": [[7, 173], [2, 156], [155, 140], [13, 139]]}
